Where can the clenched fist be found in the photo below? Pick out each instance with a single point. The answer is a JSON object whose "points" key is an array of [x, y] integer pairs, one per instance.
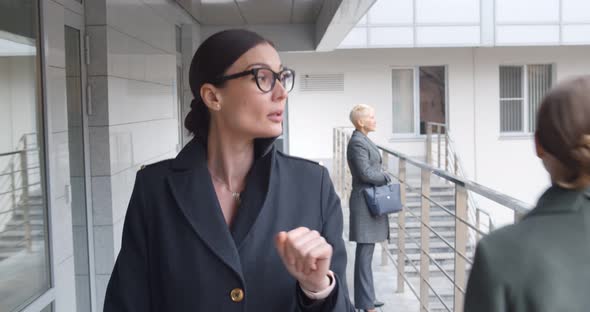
{"points": [[307, 256]]}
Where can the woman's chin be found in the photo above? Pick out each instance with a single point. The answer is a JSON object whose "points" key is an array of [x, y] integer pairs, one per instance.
{"points": [[271, 132]]}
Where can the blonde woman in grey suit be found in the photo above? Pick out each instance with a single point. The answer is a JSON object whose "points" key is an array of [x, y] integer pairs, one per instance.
{"points": [[364, 161]]}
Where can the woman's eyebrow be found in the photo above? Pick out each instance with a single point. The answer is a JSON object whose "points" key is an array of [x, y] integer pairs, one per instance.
{"points": [[264, 65], [258, 65]]}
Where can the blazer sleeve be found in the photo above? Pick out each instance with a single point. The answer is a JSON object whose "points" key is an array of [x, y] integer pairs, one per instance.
{"points": [[128, 288], [360, 165], [332, 225], [485, 291]]}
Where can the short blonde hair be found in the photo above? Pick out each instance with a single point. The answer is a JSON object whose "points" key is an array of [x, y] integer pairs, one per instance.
{"points": [[358, 112]]}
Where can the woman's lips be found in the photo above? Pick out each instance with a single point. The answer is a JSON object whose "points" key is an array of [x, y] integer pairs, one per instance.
{"points": [[276, 116]]}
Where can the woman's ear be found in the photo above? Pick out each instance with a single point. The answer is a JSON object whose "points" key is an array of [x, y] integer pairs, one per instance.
{"points": [[211, 97], [360, 123]]}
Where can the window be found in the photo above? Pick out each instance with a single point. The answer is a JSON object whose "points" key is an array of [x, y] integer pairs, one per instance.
{"points": [[24, 260], [418, 97], [521, 91]]}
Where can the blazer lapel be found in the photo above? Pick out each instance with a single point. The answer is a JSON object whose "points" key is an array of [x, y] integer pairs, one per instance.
{"points": [[193, 190], [371, 145]]}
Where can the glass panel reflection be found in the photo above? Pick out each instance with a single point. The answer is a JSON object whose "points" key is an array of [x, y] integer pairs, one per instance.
{"points": [[24, 270]]}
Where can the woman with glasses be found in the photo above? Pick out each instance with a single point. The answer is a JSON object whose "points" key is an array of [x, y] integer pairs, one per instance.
{"points": [[232, 224]]}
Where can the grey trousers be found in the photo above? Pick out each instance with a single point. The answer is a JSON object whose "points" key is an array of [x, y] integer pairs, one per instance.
{"points": [[364, 290]]}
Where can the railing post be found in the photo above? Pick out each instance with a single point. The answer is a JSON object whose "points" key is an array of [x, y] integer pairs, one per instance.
{"points": [[456, 164], [438, 148], [401, 225], [384, 245], [429, 143], [425, 241], [342, 176], [460, 245], [13, 185], [348, 175], [335, 159], [447, 137], [25, 196]]}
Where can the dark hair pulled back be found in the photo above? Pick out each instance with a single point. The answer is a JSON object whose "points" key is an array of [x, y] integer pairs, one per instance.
{"points": [[563, 128], [211, 61]]}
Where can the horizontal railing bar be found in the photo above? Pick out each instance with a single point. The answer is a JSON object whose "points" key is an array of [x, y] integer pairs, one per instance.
{"points": [[18, 152], [439, 267], [502, 199], [20, 188], [437, 295], [15, 171], [454, 215], [404, 277], [7, 211], [437, 124], [437, 235]]}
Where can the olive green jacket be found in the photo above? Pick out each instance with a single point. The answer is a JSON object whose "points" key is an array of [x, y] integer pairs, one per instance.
{"points": [[541, 264]]}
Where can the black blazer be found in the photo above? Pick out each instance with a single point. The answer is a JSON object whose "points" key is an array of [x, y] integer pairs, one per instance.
{"points": [[178, 254]]}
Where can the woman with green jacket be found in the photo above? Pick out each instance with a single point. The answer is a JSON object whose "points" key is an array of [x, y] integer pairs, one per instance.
{"points": [[543, 262]]}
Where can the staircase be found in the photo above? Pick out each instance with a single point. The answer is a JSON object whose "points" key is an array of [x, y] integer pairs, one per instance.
{"points": [[444, 224], [14, 238], [21, 201]]}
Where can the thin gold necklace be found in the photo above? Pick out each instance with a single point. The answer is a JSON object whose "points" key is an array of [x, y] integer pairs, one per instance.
{"points": [[235, 195]]}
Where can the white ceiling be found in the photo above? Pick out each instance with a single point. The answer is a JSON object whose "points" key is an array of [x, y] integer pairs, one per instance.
{"points": [[293, 25], [256, 12]]}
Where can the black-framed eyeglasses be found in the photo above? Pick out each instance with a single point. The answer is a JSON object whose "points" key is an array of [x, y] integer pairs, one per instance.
{"points": [[266, 78]]}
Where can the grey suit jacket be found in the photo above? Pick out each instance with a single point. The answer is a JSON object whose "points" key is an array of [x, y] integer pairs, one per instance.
{"points": [[541, 264], [364, 161]]}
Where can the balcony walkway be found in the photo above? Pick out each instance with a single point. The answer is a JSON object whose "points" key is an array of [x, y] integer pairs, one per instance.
{"points": [[385, 278]]}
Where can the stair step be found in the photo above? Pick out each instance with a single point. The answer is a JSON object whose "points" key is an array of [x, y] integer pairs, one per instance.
{"points": [[10, 244], [438, 244], [415, 232], [417, 205], [435, 224], [14, 234], [434, 271], [434, 213], [20, 222]]}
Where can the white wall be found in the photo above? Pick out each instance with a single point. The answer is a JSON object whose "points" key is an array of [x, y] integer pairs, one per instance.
{"points": [[473, 23], [135, 120], [18, 103], [508, 165], [500, 157], [367, 79]]}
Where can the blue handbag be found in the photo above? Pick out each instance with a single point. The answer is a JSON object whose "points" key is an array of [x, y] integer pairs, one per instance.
{"points": [[384, 199]]}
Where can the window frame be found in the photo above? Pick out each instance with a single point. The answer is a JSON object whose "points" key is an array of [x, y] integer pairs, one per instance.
{"points": [[525, 132], [415, 134]]}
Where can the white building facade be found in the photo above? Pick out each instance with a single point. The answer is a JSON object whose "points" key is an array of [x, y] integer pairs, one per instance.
{"points": [[492, 62]]}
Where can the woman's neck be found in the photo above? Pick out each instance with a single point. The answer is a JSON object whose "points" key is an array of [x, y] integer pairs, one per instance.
{"points": [[363, 131], [229, 158]]}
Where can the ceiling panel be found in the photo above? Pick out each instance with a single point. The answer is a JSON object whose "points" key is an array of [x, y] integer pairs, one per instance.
{"points": [[259, 12], [305, 11], [220, 12]]}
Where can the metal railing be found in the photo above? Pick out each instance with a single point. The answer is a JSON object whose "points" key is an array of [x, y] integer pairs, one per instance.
{"points": [[461, 259], [21, 174], [435, 133]]}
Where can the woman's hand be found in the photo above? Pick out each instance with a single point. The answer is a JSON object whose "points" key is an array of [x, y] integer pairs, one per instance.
{"points": [[307, 256]]}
